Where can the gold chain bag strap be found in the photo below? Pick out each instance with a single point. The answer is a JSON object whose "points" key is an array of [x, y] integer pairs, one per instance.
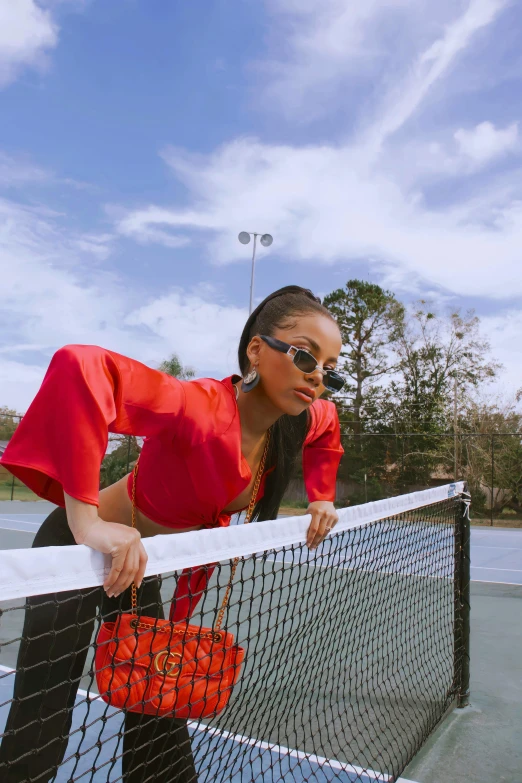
{"points": [[168, 669]]}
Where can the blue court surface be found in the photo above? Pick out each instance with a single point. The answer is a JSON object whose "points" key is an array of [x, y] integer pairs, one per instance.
{"points": [[496, 555], [247, 759]]}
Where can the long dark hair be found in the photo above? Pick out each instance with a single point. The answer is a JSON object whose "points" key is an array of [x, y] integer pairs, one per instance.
{"points": [[279, 311]]}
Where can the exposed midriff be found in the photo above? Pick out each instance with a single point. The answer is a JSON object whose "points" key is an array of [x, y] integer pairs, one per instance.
{"points": [[116, 506]]}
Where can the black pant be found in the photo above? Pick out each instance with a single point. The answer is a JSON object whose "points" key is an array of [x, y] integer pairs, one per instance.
{"points": [[55, 642]]}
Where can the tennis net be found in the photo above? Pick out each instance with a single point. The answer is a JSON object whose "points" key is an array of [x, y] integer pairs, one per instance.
{"points": [[353, 653]]}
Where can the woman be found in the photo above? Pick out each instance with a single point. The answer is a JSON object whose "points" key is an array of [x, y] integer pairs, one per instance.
{"points": [[205, 439]]}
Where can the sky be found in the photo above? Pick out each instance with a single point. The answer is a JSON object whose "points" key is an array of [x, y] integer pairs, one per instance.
{"points": [[378, 140]]}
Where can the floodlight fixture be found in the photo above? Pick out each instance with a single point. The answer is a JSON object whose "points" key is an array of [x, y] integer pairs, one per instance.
{"points": [[266, 240]]}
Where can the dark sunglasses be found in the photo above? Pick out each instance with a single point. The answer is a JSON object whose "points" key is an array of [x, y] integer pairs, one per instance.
{"points": [[306, 362]]}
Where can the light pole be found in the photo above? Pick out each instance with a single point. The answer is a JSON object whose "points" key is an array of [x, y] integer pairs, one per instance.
{"points": [[455, 442], [266, 240]]}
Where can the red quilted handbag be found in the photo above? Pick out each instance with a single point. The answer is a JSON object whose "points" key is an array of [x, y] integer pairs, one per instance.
{"points": [[161, 668]]}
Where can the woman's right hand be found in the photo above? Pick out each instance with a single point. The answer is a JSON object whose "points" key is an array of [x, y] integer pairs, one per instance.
{"points": [[122, 543], [125, 546]]}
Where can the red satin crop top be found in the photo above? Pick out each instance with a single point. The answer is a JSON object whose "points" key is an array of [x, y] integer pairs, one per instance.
{"points": [[191, 466]]}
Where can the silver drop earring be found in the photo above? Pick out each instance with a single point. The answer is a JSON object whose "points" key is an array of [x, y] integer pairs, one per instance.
{"points": [[250, 381]]}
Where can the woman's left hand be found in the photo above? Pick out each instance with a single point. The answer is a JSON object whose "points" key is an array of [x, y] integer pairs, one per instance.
{"points": [[324, 518]]}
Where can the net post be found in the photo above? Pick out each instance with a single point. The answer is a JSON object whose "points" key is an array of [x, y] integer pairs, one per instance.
{"points": [[462, 603]]}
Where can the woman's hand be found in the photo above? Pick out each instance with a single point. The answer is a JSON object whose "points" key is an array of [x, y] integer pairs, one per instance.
{"points": [[128, 554], [324, 518], [122, 543]]}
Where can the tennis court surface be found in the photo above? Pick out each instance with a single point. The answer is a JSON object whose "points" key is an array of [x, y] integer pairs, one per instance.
{"points": [[354, 653]]}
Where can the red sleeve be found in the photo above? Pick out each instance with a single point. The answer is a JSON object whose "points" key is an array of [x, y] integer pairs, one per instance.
{"points": [[86, 393], [322, 452]]}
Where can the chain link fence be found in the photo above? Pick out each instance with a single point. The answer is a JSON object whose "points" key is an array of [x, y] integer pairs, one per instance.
{"points": [[374, 466], [377, 465]]}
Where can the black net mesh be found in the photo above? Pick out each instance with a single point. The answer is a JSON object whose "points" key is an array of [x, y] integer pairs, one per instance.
{"points": [[353, 654]]}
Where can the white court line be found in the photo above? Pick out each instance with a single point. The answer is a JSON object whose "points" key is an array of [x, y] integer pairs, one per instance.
{"points": [[488, 568], [19, 521], [361, 568], [18, 529], [31, 527], [492, 582], [11, 524], [279, 749], [511, 548]]}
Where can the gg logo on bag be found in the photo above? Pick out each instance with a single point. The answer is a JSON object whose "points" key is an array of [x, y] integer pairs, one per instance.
{"points": [[165, 661]]}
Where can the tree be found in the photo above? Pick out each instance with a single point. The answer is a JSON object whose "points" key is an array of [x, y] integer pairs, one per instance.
{"points": [[368, 318], [117, 463], [492, 463], [174, 367], [9, 421], [413, 398], [435, 353]]}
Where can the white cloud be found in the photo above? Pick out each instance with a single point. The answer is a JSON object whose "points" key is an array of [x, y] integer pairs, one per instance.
{"points": [[19, 382], [484, 142], [321, 50], [20, 171], [317, 46], [331, 203], [50, 297], [504, 332], [98, 245], [27, 33], [418, 162], [327, 205], [206, 331], [430, 66], [149, 226]]}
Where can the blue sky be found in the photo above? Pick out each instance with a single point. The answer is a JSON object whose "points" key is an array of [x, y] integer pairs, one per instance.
{"points": [[379, 140]]}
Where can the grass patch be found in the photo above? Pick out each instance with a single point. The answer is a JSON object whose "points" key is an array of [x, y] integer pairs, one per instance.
{"points": [[18, 492], [291, 511]]}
